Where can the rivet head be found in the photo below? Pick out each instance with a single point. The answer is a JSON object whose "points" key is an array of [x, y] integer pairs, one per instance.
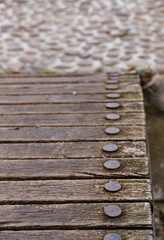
{"points": [[112, 130], [111, 164], [113, 95], [112, 86], [112, 105], [110, 148], [112, 236], [112, 116], [112, 81], [112, 186], [112, 211]]}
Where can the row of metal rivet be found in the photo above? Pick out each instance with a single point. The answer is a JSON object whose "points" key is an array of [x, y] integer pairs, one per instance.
{"points": [[112, 210]]}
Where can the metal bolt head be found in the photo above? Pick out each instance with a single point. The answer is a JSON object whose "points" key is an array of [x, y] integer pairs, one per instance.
{"points": [[112, 236], [113, 95], [110, 148], [112, 105], [112, 211], [112, 116], [112, 186], [111, 164], [112, 130], [112, 81], [112, 86]]}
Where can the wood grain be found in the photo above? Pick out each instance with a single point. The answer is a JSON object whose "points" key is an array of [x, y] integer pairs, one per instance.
{"points": [[81, 119], [86, 215], [73, 191], [52, 134], [75, 234], [135, 107], [71, 168], [71, 150]]}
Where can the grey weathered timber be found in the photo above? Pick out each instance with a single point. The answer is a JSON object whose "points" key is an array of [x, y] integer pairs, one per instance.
{"points": [[79, 191], [76, 234], [68, 98], [85, 215], [72, 168], [134, 107], [27, 89], [51, 134], [71, 150], [81, 119]]}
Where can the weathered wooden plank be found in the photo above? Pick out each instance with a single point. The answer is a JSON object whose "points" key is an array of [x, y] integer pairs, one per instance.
{"points": [[70, 108], [79, 191], [71, 168], [68, 98], [76, 234], [71, 215], [27, 89], [86, 119], [53, 134], [71, 150]]}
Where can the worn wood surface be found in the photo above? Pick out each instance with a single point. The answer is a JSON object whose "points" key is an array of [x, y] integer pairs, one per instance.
{"points": [[71, 168], [71, 150], [68, 98], [79, 191], [85, 215], [65, 134], [76, 234], [52, 175], [81, 119], [70, 108]]}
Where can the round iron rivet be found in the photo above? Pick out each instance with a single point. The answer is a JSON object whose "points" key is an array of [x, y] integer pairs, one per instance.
{"points": [[112, 211], [112, 186], [112, 236], [113, 95], [111, 164], [111, 86], [112, 81], [112, 105], [110, 148], [112, 130], [112, 116]]}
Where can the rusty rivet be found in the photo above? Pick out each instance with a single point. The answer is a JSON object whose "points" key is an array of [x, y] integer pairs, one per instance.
{"points": [[113, 95], [112, 105], [110, 148], [112, 186], [112, 86], [112, 211], [112, 130], [112, 81], [112, 236], [111, 164], [112, 116]]}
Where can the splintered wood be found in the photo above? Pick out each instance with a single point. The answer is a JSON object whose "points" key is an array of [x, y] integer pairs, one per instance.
{"points": [[55, 178]]}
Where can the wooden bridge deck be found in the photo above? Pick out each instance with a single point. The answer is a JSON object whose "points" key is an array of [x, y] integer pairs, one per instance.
{"points": [[52, 174]]}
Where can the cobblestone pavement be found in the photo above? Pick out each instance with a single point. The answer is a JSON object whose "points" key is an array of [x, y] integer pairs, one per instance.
{"points": [[77, 36]]}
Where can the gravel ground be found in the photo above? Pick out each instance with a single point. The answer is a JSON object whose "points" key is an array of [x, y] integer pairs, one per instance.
{"points": [[80, 36]]}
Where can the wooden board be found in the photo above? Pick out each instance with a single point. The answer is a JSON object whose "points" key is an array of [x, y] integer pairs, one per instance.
{"points": [[52, 134], [71, 150], [81, 119], [27, 89], [56, 191], [72, 168], [70, 108], [76, 234], [83, 215], [68, 98]]}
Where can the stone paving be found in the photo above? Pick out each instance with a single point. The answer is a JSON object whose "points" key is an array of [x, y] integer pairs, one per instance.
{"points": [[78, 36]]}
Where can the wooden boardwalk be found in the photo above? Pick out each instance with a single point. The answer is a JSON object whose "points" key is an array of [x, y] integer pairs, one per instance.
{"points": [[56, 181]]}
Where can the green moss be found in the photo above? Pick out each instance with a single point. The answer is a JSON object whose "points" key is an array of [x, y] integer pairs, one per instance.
{"points": [[49, 72]]}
